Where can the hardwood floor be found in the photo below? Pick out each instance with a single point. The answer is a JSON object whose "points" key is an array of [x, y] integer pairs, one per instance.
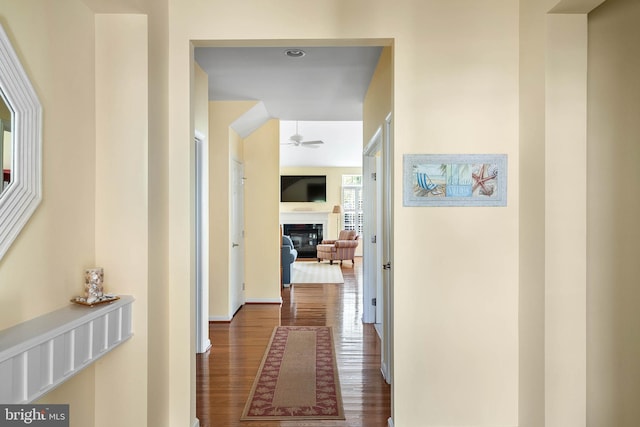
{"points": [[225, 373]]}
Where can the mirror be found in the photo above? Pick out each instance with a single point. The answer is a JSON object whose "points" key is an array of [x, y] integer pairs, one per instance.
{"points": [[20, 145], [6, 143]]}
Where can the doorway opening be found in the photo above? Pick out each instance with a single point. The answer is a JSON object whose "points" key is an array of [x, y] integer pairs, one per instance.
{"points": [[377, 295]]}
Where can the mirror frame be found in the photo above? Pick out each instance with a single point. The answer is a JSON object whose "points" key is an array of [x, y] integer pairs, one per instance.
{"points": [[23, 195]]}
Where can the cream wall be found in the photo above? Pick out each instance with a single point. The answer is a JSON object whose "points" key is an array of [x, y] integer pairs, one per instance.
{"points": [[262, 192], [122, 210], [532, 212], [565, 219], [613, 209], [580, 360], [553, 130], [159, 343], [458, 95], [378, 102], [44, 267], [201, 100], [224, 146], [456, 90], [93, 214], [59, 239], [258, 153]]}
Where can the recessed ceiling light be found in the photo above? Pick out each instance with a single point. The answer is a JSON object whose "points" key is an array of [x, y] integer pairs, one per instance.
{"points": [[295, 53]]}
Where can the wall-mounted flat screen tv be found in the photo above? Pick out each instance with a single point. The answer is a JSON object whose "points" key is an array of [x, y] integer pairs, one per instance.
{"points": [[303, 188]]}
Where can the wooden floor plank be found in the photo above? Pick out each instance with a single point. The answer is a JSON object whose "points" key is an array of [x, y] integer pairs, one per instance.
{"points": [[225, 373]]}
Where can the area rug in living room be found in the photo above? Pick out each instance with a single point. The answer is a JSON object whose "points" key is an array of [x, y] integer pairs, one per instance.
{"points": [[315, 272], [298, 377]]}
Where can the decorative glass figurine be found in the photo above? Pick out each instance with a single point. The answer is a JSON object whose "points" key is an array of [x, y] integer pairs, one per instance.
{"points": [[93, 279]]}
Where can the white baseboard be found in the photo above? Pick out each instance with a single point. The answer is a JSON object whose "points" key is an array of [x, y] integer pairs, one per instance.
{"points": [[277, 300], [264, 300], [205, 347], [390, 422], [385, 372], [378, 328], [196, 423]]}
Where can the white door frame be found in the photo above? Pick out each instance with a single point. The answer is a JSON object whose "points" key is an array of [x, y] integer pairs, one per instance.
{"points": [[387, 327], [203, 343], [380, 254]]}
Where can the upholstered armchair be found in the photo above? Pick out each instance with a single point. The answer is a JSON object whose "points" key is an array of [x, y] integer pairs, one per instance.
{"points": [[342, 248]]}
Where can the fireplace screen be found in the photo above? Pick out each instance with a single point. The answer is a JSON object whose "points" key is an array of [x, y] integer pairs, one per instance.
{"points": [[305, 237]]}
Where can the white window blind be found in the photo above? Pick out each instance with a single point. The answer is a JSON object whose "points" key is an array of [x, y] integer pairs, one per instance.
{"points": [[352, 215]]}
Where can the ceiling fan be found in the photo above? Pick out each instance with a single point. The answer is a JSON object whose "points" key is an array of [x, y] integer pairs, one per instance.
{"points": [[297, 141]]}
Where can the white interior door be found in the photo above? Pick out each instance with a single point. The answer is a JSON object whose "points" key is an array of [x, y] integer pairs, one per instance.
{"points": [[236, 285], [379, 207], [372, 237]]}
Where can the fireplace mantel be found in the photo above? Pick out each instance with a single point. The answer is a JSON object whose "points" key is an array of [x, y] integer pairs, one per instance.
{"points": [[305, 217]]}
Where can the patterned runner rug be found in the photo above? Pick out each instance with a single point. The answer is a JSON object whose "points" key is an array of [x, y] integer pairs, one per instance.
{"points": [[315, 272], [298, 377]]}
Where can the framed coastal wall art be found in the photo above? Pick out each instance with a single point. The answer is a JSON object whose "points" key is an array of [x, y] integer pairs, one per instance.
{"points": [[455, 180]]}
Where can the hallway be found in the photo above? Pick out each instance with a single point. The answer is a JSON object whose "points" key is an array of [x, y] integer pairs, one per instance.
{"points": [[225, 373]]}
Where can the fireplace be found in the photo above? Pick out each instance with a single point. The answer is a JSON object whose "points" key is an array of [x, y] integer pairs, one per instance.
{"points": [[306, 229], [305, 237]]}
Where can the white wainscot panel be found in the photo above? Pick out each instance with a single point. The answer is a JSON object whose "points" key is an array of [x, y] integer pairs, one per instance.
{"points": [[40, 354]]}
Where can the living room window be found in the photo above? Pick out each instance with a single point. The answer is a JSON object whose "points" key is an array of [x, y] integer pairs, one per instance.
{"points": [[352, 214]]}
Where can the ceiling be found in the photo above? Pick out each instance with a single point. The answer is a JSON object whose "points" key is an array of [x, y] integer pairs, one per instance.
{"points": [[342, 144], [326, 85]]}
